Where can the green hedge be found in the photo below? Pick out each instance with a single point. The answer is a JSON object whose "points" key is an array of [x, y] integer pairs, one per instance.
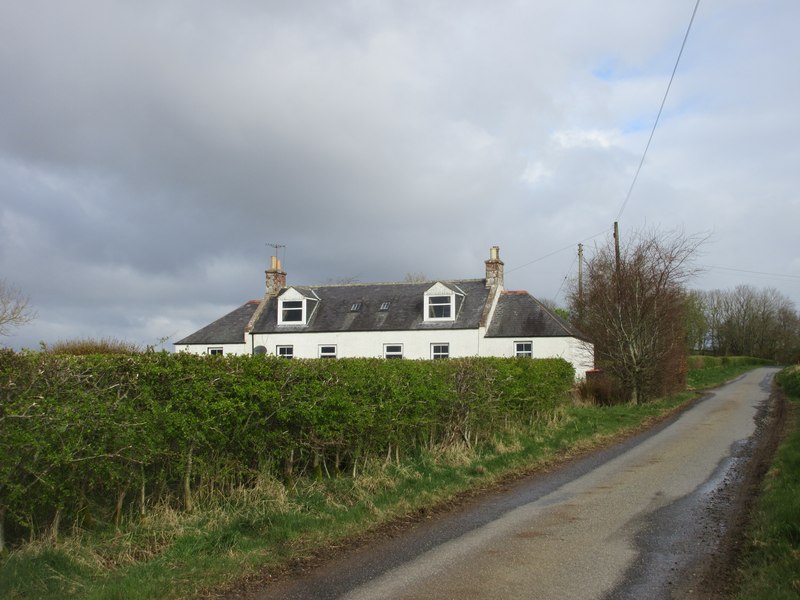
{"points": [[87, 438], [697, 362]]}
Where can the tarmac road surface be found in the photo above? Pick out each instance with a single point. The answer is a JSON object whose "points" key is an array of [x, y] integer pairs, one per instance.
{"points": [[628, 522]]}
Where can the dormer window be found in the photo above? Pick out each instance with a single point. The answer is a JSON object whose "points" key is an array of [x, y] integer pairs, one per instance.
{"points": [[442, 302], [295, 308], [440, 307], [292, 311]]}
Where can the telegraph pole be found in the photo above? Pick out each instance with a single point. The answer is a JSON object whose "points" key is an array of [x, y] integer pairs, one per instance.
{"points": [[617, 262]]}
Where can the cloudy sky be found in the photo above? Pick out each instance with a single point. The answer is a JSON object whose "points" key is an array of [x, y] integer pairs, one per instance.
{"points": [[150, 150]]}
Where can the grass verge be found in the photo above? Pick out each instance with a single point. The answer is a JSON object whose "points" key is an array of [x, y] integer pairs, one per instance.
{"points": [[261, 529], [771, 565], [710, 371]]}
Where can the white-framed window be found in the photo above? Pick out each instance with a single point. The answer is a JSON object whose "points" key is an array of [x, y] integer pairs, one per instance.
{"points": [[523, 349], [215, 351], [442, 302], [284, 351], [296, 308], [440, 351], [327, 351], [393, 351], [439, 308], [385, 306], [292, 311]]}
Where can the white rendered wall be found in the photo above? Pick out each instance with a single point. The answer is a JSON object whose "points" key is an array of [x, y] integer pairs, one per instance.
{"points": [[203, 348], [416, 345], [369, 344], [570, 349]]}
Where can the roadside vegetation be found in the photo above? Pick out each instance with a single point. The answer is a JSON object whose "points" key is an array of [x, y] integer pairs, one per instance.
{"points": [[771, 564], [709, 371], [91, 514]]}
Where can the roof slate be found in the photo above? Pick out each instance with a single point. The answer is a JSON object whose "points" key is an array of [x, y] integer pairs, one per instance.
{"points": [[405, 312], [518, 314], [226, 330]]}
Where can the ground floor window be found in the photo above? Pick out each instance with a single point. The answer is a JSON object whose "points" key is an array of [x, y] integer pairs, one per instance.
{"points": [[393, 350], [327, 351], [523, 349], [217, 351], [440, 351], [285, 351]]}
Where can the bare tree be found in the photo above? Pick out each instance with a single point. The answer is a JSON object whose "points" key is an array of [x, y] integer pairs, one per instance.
{"points": [[15, 308], [747, 321], [555, 308], [415, 278], [695, 323], [632, 308]]}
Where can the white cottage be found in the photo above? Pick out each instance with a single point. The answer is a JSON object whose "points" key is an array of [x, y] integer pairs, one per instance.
{"points": [[428, 320]]}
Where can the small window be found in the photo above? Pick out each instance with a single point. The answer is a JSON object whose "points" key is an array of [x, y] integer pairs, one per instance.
{"points": [[215, 351], [440, 307], [285, 351], [292, 311], [440, 351], [385, 306], [327, 351], [523, 349], [355, 307], [393, 350]]}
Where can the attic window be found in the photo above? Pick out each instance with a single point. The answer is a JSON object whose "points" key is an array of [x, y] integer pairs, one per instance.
{"points": [[442, 302], [385, 306], [356, 306], [440, 307], [295, 309], [292, 311]]}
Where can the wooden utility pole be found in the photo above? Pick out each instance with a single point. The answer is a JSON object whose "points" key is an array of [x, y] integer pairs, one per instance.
{"points": [[617, 262], [580, 274]]}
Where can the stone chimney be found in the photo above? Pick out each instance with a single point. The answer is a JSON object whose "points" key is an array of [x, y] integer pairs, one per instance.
{"points": [[276, 278], [494, 268]]}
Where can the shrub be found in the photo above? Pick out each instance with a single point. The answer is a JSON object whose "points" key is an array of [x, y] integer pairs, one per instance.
{"points": [[82, 347], [103, 435], [602, 389]]}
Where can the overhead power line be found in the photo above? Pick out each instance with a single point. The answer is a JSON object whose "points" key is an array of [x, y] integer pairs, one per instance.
{"points": [[785, 275], [660, 110], [554, 252]]}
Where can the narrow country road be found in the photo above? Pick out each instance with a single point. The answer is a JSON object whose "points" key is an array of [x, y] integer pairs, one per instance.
{"points": [[628, 522]]}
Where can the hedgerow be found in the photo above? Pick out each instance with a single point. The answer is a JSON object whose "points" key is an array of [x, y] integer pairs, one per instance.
{"points": [[96, 438]]}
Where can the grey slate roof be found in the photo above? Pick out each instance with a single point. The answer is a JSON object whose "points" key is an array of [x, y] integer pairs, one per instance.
{"points": [[406, 304], [226, 330], [518, 314]]}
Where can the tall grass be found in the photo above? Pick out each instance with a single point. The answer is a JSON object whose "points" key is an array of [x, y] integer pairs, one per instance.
{"points": [[771, 567]]}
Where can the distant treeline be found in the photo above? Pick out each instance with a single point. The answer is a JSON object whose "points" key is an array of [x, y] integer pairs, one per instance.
{"points": [[101, 437]]}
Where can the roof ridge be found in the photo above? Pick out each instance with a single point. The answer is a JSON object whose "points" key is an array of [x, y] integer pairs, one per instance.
{"points": [[381, 283]]}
